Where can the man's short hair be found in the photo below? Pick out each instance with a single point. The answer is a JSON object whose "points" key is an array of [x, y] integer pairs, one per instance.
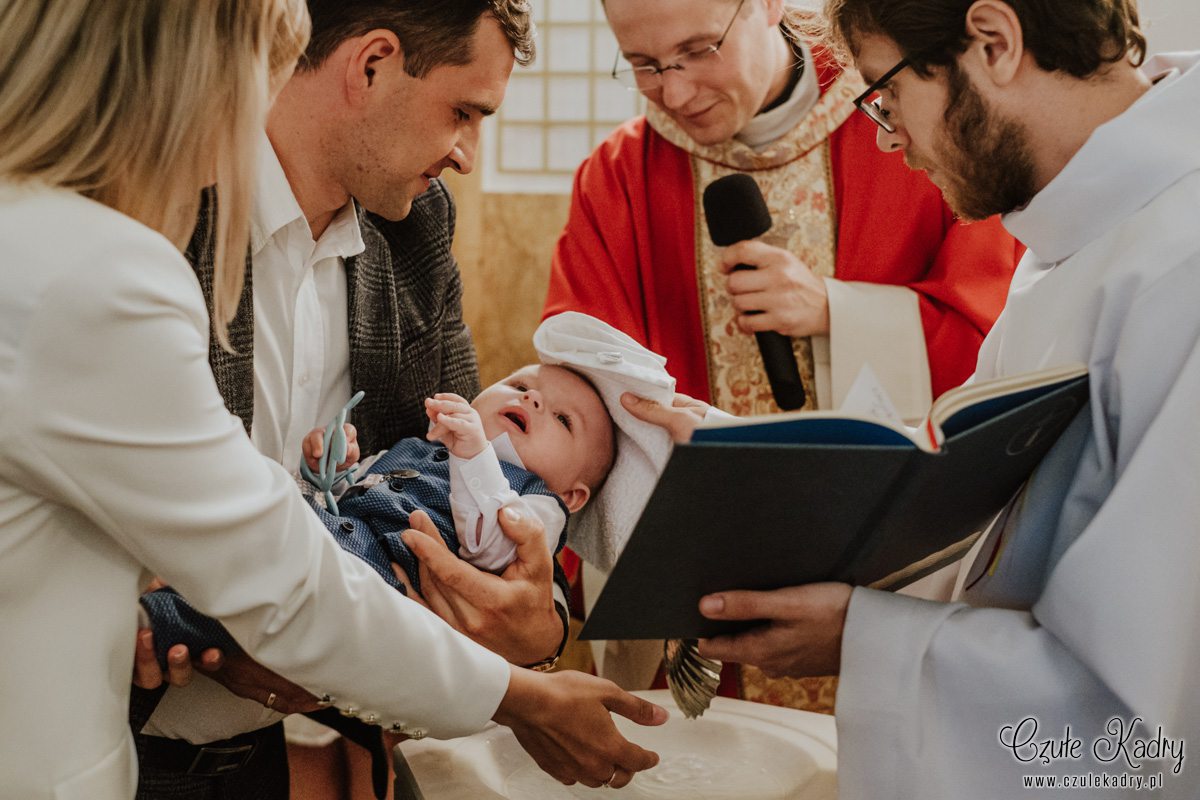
{"points": [[1078, 37], [432, 32]]}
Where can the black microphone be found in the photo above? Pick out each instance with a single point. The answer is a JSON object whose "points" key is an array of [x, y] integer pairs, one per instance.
{"points": [[736, 211]]}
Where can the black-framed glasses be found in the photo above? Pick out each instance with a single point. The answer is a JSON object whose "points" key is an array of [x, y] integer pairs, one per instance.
{"points": [[650, 77], [873, 106]]}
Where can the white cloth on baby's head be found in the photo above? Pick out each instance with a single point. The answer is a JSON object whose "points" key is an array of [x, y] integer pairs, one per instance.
{"points": [[615, 364]]}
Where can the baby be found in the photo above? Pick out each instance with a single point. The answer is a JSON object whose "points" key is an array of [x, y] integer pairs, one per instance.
{"points": [[546, 437], [541, 439]]}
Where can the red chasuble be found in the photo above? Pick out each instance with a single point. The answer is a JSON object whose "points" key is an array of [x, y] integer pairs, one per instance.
{"points": [[628, 254]]}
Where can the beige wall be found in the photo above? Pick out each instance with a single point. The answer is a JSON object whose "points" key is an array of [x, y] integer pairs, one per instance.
{"points": [[1171, 24], [503, 244]]}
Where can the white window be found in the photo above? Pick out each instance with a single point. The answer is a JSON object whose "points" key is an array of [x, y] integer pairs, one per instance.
{"points": [[556, 111]]}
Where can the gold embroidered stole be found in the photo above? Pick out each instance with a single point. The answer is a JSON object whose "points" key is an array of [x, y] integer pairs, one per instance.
{"points": [[796, 181], [794, 176]]}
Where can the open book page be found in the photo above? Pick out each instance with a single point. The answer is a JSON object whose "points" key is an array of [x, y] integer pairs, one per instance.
{"points": [[867, 417], [868, 398], [962, 408], [806, 427]]}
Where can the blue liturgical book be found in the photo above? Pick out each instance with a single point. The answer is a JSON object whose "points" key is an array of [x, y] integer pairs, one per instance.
{"points": [[788, 499]]}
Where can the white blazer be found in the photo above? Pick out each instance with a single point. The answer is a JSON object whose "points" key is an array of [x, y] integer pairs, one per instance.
{"points": [[119, 461]]}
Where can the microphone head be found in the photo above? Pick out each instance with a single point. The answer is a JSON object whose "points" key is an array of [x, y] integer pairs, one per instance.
{"points": [[735, 210]]}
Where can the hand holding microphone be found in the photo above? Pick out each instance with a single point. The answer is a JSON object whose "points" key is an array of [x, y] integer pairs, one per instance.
{"points": [[778, 293], [736, 212]]}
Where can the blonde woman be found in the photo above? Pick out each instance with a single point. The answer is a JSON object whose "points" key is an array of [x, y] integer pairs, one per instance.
{"points": [[117, 457]]}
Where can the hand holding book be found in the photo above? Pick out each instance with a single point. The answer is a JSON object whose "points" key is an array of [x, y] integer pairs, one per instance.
{"points": [[802, 635], [791, 499]]}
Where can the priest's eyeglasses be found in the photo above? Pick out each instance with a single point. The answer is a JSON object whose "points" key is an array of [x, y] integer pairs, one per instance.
{"points": [[870, 102], [650, 77]]}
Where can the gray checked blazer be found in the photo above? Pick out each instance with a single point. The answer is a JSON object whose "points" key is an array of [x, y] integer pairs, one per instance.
{"points": [[407, 336]]}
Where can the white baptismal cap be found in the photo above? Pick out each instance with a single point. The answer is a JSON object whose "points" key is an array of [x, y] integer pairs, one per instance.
{"points": [[615, 364]]}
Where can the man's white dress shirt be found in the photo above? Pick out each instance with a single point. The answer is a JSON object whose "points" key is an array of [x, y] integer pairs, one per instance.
{"points": [[301, 327]]}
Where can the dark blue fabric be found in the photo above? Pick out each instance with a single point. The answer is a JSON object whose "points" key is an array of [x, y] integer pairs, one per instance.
{"points": [[370, 525], [174, 621]]}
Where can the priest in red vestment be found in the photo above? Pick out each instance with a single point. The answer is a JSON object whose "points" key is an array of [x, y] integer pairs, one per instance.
{"points": [[864, 263]]}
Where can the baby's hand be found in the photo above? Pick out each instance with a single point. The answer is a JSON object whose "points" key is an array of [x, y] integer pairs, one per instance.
{"points": [[314, 445], [455, 424]]}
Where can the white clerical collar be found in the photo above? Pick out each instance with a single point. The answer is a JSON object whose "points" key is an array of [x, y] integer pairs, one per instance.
{"points": [[1124, 164], [768, 127], [276, 207]]}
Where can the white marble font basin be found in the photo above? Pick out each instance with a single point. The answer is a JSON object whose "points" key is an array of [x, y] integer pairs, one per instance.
{"points": [[736, 751]]}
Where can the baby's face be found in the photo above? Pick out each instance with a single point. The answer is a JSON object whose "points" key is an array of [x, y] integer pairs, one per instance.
{"points": [[558, 425]]}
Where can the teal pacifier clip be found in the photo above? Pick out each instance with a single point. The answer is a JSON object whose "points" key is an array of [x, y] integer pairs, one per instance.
{"points": [[332, 454]]}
